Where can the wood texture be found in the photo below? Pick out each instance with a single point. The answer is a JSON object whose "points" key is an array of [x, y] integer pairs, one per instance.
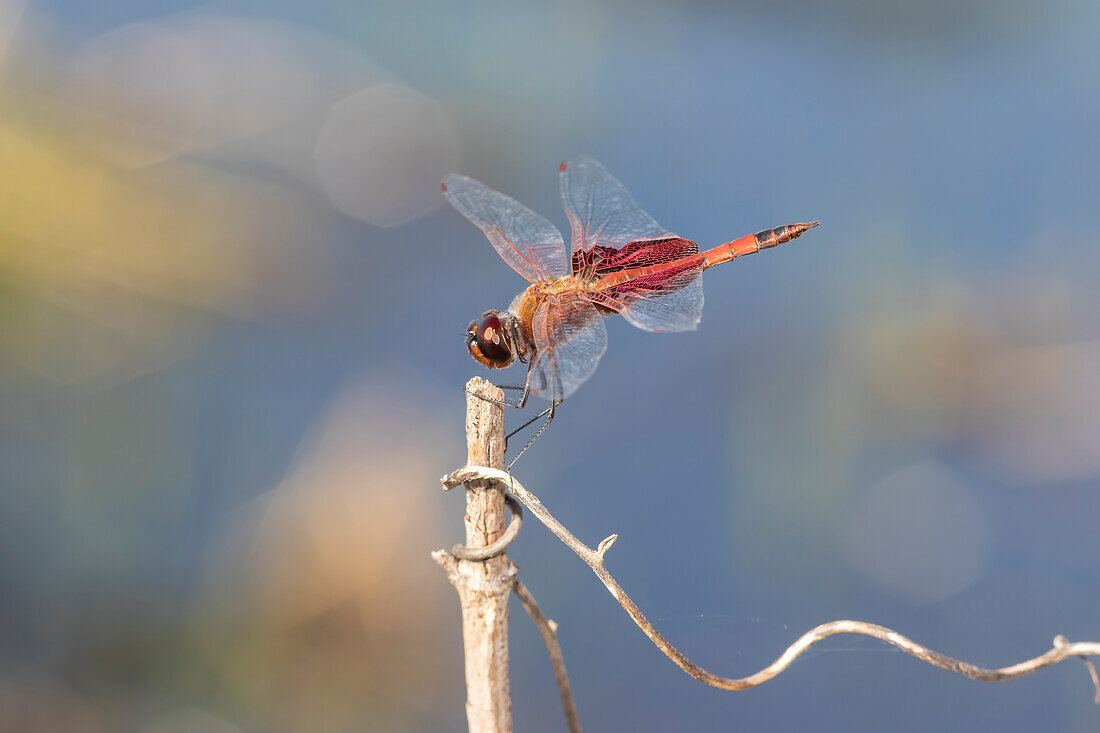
{"points": [[484, 585]]}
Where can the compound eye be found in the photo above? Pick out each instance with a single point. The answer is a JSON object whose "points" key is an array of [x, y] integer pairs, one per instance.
{"points": [[492, 341]]}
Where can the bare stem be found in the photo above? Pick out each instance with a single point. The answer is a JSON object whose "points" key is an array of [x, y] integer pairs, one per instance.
{"points": [[484, 582], [1061, 649], [549, 631]]}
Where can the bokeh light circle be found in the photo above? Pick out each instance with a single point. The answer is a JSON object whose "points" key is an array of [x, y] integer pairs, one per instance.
{"points": [[919, 534], [382, 151]]}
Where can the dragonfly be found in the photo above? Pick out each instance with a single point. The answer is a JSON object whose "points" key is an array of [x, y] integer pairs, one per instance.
{"points": [[619, 260]]}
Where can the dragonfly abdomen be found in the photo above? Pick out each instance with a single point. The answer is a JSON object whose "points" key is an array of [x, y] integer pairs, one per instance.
{"points": [[751, 243]]}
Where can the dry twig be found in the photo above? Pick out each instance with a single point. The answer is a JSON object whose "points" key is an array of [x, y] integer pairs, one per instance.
{"points": [[549, 631], [484, 584], [483, 577], [1062, 648]]}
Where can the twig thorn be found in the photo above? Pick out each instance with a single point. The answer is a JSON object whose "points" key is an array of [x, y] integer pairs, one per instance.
{"points": [[606, 545]]}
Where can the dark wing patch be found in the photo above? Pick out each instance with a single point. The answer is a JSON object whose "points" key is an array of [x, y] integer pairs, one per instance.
{"points": [[600, 260], [671, 300]]}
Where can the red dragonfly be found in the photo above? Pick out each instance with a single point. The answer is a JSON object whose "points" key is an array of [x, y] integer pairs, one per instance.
{"points": [[620, 261]]}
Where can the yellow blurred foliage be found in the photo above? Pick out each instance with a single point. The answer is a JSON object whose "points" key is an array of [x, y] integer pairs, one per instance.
{"points": [[109, 270]]}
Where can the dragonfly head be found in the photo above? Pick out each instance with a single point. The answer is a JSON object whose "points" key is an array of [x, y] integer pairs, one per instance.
{"points": [[489, 342]]}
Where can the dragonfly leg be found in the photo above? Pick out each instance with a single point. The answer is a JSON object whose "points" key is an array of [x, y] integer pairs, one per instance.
{"points": [[521, 427], [518, 405], [549, 412]]}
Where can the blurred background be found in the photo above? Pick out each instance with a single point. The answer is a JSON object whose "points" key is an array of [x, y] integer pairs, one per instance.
{"points": [[231, 314]]}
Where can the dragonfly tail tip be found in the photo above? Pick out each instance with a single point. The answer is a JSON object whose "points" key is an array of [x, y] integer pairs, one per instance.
{"points": [[797, 230]]}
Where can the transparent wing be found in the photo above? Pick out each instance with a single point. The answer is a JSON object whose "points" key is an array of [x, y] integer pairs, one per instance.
{"points": [[570, 338], [530, 244], [600, 209], [671, 301]]}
